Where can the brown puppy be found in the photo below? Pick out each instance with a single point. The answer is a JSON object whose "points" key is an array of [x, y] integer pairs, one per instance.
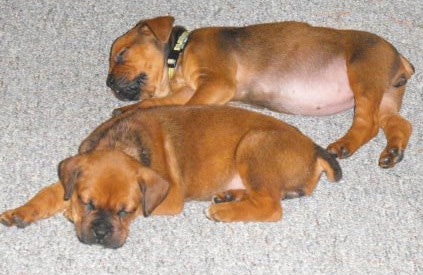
{"points": [[151, 161], [289, 67]]}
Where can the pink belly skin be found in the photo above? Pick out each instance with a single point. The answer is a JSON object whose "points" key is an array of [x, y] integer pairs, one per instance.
{"points": [[320, 92]]}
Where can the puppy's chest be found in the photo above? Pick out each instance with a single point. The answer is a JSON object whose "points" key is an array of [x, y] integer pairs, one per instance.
{"points": [[301, 90]]}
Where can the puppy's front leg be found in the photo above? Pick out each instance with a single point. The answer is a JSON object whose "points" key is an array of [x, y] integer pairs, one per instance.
{"points": [[173, 204], [181, 94], [216, 90], [46, 203]]}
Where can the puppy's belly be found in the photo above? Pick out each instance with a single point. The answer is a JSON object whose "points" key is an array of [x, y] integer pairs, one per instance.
{"points": [[325, 91]]}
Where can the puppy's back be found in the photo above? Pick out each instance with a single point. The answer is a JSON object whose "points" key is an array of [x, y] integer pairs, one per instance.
{"points": [[219, 119]]}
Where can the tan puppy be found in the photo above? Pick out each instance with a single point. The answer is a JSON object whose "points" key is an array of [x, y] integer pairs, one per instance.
{"points": [[289, 67], [151, 161]]}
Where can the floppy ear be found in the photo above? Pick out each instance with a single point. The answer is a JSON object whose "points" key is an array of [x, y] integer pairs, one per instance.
{"points": [[153, 188], [161, 27], [69, 172]]}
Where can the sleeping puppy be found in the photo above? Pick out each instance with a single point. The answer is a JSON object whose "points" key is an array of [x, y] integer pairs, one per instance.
{"points": [[289, 67], [152, 161]]}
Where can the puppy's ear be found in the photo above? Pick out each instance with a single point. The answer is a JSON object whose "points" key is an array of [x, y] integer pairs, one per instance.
{"points": [[69, 172], [153, 188], [161, 27]]}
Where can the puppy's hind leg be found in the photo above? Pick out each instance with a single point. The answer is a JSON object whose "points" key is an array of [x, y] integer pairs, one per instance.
{"points": [[260, 201], [369, 77], [396, 128], [46, 203], [367, 96]]}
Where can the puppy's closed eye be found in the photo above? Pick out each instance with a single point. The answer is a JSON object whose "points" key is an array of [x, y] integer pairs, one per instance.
{"points": [[120, 57], [123, 214], [89, 207]]}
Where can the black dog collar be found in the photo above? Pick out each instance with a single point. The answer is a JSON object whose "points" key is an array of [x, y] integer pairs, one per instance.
{"points": [[176, 46]]}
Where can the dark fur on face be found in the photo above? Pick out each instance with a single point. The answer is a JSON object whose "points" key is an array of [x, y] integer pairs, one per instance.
{"points": [[103, 228], [126, 90]]}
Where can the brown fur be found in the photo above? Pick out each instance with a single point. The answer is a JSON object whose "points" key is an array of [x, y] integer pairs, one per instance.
{"points": [[152, 161], [289, 67]]}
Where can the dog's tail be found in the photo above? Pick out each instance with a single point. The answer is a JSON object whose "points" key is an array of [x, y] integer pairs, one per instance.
{"points": [[329, 164]]}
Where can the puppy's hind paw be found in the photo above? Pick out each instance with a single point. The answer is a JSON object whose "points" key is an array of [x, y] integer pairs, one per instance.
{"points": [[390, 157], [217, 213], [339, 150]]}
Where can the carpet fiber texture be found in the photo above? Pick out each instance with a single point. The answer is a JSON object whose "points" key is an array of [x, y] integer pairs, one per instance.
{"points": [[54, 62]]}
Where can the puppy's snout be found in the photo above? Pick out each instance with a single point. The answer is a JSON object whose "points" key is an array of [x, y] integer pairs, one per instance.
{"points": [[110, 82], [124, 89], [101, 230]]}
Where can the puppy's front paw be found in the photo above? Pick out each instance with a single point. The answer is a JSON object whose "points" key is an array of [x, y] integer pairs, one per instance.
{"points": [[117, 112], [229, 196], [148, 103], [19, 217], [124, 109], [390, 157]]}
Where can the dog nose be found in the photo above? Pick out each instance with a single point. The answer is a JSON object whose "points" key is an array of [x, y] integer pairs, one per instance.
{"points": [[101, 230], [110, 82]]}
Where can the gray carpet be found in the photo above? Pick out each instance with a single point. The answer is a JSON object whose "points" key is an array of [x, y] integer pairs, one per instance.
{"points": [[53, 57]]}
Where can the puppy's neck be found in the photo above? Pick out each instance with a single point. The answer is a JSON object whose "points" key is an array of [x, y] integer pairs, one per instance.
{"points": [[177, 42]]}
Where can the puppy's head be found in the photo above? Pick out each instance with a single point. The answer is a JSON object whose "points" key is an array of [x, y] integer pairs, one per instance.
{"points": [[108, 189], [137, 60]]}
